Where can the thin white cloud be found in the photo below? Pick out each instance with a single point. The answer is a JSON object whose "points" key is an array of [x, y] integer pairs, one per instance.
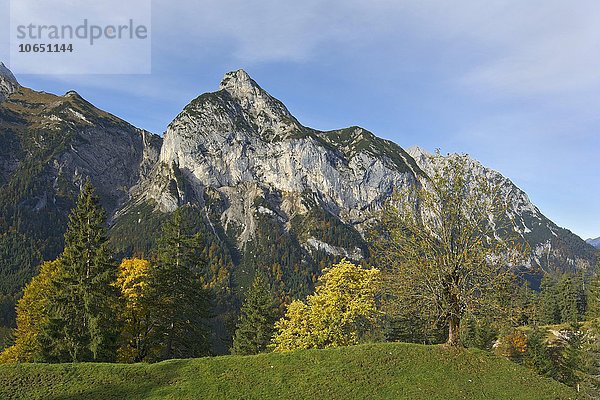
{"points": [[269, 30]]}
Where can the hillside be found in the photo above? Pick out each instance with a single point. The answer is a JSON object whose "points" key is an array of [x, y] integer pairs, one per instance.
{"points": [[374, 371]]}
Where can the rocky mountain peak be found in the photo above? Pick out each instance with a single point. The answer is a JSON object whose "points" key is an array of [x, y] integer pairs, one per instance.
{"points": [[416, 151], [241, 112], [7, 74], [420, 155], [8, 82], [72, 93], [238, 82], [257, 103]]}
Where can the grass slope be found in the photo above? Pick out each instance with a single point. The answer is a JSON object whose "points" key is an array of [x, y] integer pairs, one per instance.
{"points": [[373, 371]]}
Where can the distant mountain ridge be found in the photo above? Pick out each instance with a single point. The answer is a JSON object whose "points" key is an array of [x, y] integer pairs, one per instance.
{"points": [[594, 242]]}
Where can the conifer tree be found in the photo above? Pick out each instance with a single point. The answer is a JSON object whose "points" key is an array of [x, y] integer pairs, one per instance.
{"points": [[593, 309], [82, 297], [180, 302], [256, 324], [537, 356], [549, 311], [568, 299]]}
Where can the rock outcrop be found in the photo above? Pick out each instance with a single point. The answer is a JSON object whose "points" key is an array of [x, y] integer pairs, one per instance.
{"points": [[8, 82]]}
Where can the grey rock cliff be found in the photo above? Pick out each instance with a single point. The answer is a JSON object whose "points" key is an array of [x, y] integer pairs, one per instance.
{"points": [[552, 247], [8, 82], [51, 145], [243, 147], [245, 144]]}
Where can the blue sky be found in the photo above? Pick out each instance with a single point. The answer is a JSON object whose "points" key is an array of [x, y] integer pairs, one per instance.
{"points": [[514, 84]]}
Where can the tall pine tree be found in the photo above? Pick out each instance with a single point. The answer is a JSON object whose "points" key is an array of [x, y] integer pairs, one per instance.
{"points": [[256, 325], [82, 297], [179, 300]]}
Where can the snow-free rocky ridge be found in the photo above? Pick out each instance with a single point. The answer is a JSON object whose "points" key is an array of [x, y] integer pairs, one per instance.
{"points": [[594, 242], [246, 162]]}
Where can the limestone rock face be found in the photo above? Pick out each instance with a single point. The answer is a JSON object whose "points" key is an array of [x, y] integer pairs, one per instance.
{"points": [[242, 148], [254, 173], [51, 145], [553, 248], [245, 144]]}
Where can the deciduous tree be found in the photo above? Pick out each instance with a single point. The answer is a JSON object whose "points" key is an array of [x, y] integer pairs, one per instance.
{"points": [[31, 317], [342, 311], [132, 281], [446, 246]]}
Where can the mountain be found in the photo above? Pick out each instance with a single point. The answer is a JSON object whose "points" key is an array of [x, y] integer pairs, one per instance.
{"points": [[594, 242], [266, 185], [553, 247], [255, 172], [266, 192]]}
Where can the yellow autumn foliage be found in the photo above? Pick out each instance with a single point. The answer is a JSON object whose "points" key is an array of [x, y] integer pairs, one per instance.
{"points": [[342, 311], [31, 316], [132, 281], [512, 345]]}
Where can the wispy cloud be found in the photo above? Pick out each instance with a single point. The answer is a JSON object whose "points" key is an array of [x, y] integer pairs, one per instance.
{"points": [[516, 47]]}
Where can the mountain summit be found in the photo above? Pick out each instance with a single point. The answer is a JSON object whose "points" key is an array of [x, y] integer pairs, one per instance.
{"points": [[238, 82], [594, 242]]}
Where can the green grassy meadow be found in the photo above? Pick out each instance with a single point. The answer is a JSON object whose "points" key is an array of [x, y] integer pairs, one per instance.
{"points": [[370, 371]]}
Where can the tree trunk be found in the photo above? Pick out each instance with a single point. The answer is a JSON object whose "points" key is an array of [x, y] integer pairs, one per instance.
{"points": [[453, 332]]}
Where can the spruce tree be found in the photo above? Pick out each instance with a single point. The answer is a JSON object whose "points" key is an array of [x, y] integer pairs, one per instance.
{"points": [[568, 299], [549, 311], [593, 308], [82, 297], [180, 303], [537, 356], [256, 324]]}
